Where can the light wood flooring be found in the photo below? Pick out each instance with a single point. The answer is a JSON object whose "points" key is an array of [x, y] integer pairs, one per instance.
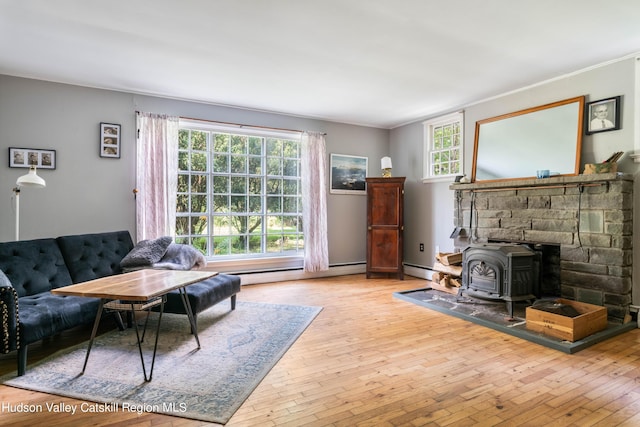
{"points": [[370, 359]]}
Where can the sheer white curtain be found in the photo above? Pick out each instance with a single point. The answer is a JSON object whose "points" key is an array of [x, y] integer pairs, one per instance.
{"points": [[156, 175], [314, 202]]}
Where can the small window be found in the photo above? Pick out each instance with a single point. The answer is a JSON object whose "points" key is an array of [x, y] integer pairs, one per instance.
{"points": [[443, 147]]}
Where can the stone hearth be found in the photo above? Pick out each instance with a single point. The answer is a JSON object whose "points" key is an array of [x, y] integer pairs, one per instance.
{"points": [[589, 217]]}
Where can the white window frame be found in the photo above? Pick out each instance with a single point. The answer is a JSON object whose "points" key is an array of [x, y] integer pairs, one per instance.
{"points": [[429, 126], [213, 127]]}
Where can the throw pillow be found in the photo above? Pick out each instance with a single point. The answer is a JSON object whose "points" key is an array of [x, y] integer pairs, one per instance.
{"points": [[146, 252]]}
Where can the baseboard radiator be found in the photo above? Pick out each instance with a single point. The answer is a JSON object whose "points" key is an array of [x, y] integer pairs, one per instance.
{"points": [[419, 271], [256, 277], [282, 275]]}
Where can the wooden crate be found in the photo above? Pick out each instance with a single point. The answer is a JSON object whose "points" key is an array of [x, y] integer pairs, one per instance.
{"points": [[591, 168], [592, 319]]}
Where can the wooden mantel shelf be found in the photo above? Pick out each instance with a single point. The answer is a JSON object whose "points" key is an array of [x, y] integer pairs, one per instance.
{"points": [[559, 181]]}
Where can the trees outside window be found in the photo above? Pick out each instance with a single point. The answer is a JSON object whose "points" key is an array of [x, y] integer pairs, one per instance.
{"points": [[239, 193]]}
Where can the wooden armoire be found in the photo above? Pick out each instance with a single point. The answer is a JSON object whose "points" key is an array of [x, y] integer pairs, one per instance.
{"points": [[385, 226]]}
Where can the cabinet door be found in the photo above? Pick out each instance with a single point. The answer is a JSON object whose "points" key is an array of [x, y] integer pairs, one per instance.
{"points": [[384, 205], [383, 245]]}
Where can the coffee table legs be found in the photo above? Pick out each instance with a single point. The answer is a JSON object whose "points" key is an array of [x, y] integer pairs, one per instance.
{"points": [[93, 334], [94, 331], [155, 345], [192, 320]]}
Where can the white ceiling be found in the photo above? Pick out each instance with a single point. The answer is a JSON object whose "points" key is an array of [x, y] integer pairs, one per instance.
{"points": [[378, 63]]}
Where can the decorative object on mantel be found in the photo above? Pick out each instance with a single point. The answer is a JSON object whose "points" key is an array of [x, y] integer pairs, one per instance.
{"points": [[385, 164], [608, 166], [109, 140], [543, 173], [602, 115], [29, 180], [27, 157]]}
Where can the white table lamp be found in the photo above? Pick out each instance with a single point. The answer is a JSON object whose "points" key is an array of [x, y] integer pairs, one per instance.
{"points": [[385, 163], [29, 180]]}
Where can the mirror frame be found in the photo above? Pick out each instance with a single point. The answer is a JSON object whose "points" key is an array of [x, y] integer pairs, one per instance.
{"points": [[578, 142]]}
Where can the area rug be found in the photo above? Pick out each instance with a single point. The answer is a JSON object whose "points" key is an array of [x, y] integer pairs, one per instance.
{"points": [[494, 315], [239, 348]]}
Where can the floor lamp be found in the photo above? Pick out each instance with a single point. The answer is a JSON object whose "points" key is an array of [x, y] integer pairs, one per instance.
{"points": [[29, 180]]}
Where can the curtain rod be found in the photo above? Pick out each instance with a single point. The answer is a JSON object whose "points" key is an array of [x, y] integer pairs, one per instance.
{"points": [[240, 125]]}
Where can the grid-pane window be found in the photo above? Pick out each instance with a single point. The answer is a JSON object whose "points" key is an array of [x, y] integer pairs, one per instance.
{"points": [[239, 194], [443, 146]]}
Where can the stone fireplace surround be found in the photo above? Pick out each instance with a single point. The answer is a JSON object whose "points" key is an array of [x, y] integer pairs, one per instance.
{"points": [[589, 217]]}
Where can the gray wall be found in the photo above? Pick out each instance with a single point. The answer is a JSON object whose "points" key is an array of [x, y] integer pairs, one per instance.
{"points": [[87, 193], [429, 206]]}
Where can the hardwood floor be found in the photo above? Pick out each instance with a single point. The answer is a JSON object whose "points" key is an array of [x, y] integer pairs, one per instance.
{"points": [[370, 359]]}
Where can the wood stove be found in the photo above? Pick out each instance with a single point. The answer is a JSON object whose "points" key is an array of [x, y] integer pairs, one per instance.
{"points": [[498, 271]]}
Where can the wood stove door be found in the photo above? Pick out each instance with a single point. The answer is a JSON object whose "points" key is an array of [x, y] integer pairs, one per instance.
{"points": [[485, 278]]}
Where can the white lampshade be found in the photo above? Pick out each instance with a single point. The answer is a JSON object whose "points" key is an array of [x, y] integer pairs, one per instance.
{"points": [[31, 179], [386, 163]]}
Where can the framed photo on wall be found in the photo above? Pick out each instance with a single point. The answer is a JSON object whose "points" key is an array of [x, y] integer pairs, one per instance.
{"points": [[348, 174], [25, 157], [603, 115], [109, 140]]}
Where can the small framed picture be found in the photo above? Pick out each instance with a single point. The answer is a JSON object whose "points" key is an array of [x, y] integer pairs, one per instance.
{"points": [[27, 157], [348, 174], [603, 115], [109, 140]]}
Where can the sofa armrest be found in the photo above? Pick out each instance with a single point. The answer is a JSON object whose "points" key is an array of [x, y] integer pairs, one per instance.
{"points": [[9, 329]]}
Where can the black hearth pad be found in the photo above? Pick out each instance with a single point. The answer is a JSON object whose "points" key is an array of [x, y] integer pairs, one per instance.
{"points": [[494, 314]]}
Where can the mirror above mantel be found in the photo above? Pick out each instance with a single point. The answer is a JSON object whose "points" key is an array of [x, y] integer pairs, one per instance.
{"points": [[517, 145]]}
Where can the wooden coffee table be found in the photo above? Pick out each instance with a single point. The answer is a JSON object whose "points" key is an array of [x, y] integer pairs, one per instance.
{"points": [[135, 291]]}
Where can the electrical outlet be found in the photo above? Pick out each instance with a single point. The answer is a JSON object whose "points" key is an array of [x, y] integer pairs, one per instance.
{"points": [[437, 249], [421, 247]]}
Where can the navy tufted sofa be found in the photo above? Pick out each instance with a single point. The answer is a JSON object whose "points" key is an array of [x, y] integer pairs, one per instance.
{"points": [[31, 268]]}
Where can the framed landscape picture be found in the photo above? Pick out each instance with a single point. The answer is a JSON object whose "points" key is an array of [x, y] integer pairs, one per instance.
{"points": [[109, 140], [348, 174]]}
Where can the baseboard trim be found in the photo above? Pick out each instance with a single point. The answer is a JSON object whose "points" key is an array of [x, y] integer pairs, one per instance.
{"points": [[299, 274], [418, 271], [257, 277]]}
